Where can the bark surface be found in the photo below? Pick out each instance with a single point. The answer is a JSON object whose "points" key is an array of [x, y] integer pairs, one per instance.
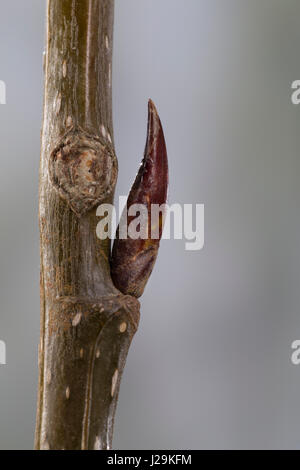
{"points": [[86, 323]]}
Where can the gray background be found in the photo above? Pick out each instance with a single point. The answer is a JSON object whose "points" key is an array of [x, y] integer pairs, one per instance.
{"points": [[210, 366]]}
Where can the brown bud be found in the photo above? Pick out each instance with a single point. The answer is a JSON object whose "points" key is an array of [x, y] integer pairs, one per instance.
{"points": [[132, 260]]}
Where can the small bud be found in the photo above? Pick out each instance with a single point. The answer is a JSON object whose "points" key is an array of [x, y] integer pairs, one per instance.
{"points": [[132, 260]]}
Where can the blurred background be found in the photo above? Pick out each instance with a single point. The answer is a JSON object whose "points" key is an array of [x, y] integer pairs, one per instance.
{"points": [[210, 367]]}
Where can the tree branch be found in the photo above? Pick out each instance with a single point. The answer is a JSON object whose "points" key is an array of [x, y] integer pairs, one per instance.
{"points": [[86, 323]]}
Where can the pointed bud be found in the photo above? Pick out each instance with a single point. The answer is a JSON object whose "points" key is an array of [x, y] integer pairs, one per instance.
{"points": [[133, 259]]}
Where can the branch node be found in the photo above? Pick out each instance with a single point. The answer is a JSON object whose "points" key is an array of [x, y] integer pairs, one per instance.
{"points": [[83, 169]]}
